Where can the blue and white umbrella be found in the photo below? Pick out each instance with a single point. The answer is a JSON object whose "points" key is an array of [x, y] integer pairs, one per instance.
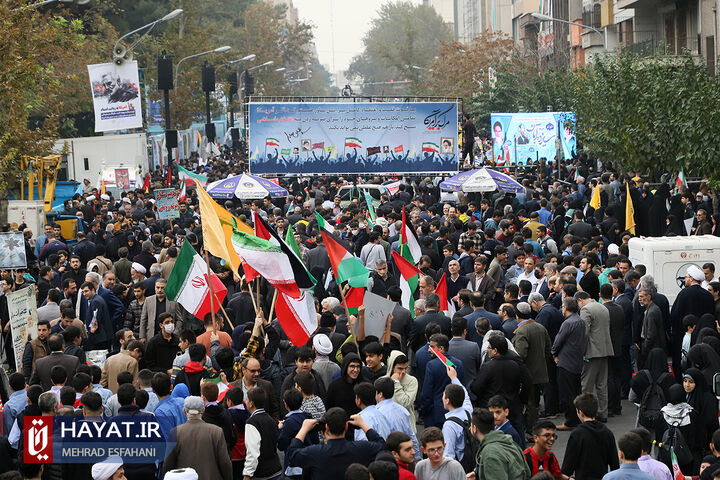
{"points": [[245, 187], [481, 180]]}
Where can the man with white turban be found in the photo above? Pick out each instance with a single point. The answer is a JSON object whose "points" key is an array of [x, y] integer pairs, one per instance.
{"points": [[109, 469]]}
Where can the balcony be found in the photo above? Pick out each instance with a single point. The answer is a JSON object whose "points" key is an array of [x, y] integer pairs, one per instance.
{"points": [[650, 43]]}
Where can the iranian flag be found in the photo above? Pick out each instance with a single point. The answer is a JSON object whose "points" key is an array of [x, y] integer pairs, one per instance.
{"points": [[353, 142], [430, 147], [188, 283], [680, 181], [268, 260], [297, 317], [409, 245], [302, 276], [409, 276], [183, 193], [322, 224], [346, 266], [677, 474], [186, 176], [272, 142]]}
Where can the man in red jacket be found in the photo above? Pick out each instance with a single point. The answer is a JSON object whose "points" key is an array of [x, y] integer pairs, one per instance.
{"points": [[401, 447]]}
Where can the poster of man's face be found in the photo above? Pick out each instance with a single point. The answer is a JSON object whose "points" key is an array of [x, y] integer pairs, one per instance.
{"points": [[296, 150], [446, 145], [386, 149], [306, 145]]}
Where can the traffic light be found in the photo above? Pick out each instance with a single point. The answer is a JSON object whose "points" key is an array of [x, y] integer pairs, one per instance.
{"points": [[208, 78], [249, 83]]}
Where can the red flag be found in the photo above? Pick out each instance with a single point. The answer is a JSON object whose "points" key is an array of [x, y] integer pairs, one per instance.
{"points": [[442, 357], [355, 297], [220, 291], [146, 183], [169, 179], [297, 317], [441, 290]]}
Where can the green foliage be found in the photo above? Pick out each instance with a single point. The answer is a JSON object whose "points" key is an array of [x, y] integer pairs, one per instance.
{"points": [[403, 35], [651, 114]]}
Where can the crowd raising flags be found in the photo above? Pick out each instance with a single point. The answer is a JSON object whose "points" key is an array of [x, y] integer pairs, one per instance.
{"points": [[262, 252]]}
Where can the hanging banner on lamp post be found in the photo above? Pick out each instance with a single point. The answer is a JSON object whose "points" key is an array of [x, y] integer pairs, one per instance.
{"points": [[116, 96]]}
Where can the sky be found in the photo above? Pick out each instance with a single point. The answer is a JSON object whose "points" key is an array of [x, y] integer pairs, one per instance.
{"points": [[348, 19]]}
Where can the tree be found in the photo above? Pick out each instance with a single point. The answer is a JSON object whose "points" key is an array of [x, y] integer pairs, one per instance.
{"points": [[404, 35], [39, 76]]}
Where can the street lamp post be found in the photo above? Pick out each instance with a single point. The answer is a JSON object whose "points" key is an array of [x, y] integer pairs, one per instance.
{"points": [[234, 80], [122, 54], [547, 18], [217, 50], [48, 2], [249, 89], [208, 84]]}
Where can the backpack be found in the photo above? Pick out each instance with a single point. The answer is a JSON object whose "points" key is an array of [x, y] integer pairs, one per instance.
{"points": [[652, 401], [674, 439], [468, 461]]}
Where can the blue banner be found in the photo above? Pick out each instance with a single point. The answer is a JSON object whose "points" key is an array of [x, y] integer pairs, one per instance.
{"points": [[360, 138], [523, 138]]}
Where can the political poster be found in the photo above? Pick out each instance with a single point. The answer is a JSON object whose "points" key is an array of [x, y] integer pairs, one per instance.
{"points": [[359, 138], [122, 178], [22, 310], [12, 251], [377, 309], [522, 138], [116, 96], [167, 203]]}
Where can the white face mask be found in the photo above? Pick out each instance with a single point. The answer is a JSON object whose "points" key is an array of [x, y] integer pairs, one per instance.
{"points": [[355, 232], [169, 328]]}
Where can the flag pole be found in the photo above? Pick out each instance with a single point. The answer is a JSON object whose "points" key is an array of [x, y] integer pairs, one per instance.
{"points": [[223, 311], [272, 305], [257, 288], [344, 301], [212, 292]]}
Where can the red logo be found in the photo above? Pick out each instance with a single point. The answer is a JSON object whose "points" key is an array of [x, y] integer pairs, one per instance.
{"points": [[198, 282], [38, 446], [683, 254]]}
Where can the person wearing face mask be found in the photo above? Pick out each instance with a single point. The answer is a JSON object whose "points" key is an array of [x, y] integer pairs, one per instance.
{"points": [[163, 348]]}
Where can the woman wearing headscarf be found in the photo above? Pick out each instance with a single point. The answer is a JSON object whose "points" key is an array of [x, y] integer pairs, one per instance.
{"points": [[656, 372], [706, 320], [704, 358], [406, 385], [658, 211], [557, 225], [677, 413], [704, 412]]}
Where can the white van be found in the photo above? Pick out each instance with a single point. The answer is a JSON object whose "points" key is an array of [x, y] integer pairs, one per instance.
{"points": [[668, 258]]}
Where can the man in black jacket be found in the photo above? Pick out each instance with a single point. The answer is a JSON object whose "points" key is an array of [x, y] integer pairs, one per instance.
{"points": [[216, 414], [591, 447]]}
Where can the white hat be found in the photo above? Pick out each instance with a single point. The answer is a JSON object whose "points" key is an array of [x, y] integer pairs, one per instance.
{"points": [[139, 268], [182, 474], [382, 221], [695, 272], [322, 344], [105, 197], [613, 249], [328, 204], [126, 200], [107, 468], [90, 198]]}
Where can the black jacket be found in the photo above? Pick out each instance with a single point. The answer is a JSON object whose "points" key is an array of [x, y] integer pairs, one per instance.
{"points": [[219, 415], [504, 375], [590, 451]]}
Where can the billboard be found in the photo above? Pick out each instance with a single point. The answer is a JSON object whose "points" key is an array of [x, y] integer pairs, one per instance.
{"points": [[116, 96], [525, 137], [360, 138]]}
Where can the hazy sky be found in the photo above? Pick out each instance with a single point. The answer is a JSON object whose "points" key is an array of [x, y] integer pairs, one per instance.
{"points": [[343, 21]]}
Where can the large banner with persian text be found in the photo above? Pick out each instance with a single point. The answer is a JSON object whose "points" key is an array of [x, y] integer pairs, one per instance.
{"points": [[360, 138]]}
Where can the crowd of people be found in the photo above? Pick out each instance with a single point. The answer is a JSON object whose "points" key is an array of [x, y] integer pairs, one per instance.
{"points": [[548, 327]]}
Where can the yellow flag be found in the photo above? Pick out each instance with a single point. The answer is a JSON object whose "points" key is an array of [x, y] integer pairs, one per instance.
{"points": [[595, 199], [629, 211], [217, 228]]}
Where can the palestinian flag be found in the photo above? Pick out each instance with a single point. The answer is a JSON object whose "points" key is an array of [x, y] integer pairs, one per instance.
{"points": [[346, 266], [297, 317], [268, 260], [680, 181], [272, 142], [322, 224], [409, 276], [441, 291], [353, 142], [409, 245], [430, 147], [370, 208], [442, 357], [186, 176], [188, 283], [300, 272]]}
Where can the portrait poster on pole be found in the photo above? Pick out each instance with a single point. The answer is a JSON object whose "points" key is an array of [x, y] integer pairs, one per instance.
{"points": [[122, 178], [116, 96], [22, 310], [167, 203], [12, 251]]}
